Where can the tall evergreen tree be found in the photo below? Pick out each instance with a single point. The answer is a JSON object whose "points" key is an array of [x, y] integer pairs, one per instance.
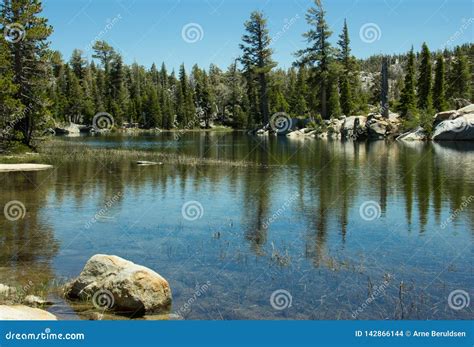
{"points": [[460, 76], [10, 106], [319, 53], [257, 58], [78, 63], [29, 56], [185, 107], [439, 87], [408, 99], [346, 60], [104, 52], [118, 94], [424, 86]]}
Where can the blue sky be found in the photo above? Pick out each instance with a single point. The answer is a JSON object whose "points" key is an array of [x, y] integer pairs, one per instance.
{"points": [[148, 31]]}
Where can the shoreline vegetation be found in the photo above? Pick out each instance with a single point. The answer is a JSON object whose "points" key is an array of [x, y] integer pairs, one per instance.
{"points": [[42, 93], [51, 150]]}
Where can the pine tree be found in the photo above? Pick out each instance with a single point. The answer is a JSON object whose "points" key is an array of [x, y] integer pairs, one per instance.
{"points": [[424, 87], [30, 60], [408, 99], [319, 53], [460, 77], [300, 106], [77, 63], [10, 107], [152, 111], [334, 104], [185, 107], [75, 98], [257, 59], [346, 60], [105, 53], [234, 81], [439, 87]]}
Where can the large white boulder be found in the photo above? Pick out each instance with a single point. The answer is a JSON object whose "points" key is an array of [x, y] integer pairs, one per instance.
{"points": [[120, 285], [459, 129], [69, 129], [21, 312]]}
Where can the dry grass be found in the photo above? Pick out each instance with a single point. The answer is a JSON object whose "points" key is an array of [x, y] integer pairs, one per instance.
{"points": [[54, 151]]}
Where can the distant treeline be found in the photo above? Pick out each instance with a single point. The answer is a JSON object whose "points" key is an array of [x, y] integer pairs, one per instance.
{"points": [[37, 88]]}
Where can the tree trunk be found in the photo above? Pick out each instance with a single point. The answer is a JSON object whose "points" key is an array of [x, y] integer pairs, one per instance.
{"points": [[264, 99], [323, 100], [384, 88]]}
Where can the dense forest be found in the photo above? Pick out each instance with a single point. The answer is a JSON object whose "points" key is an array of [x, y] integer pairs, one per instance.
{"points": [[39, 89]]}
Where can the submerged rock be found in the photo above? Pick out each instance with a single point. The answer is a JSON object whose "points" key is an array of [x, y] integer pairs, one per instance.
{"points": [[145, 163], [21, 312], [24, 167], [118, 284]]}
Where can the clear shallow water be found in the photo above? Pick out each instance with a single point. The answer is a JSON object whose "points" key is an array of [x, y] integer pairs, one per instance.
{"points": [[292, 222]]}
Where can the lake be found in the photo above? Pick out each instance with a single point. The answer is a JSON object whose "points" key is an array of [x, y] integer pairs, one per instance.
{"points": [[303, 229]]}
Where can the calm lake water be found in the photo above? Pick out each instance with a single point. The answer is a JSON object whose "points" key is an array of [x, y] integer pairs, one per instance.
{"points": [[307, 230]]}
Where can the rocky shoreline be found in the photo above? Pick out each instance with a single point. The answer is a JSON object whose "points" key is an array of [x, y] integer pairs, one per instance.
{"points": [[454, 125]]}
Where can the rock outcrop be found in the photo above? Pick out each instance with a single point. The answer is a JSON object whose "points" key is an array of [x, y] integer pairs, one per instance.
{"points": [[458, 129], [120, 285], [69, 129], [354, 127], [418, 134]]}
